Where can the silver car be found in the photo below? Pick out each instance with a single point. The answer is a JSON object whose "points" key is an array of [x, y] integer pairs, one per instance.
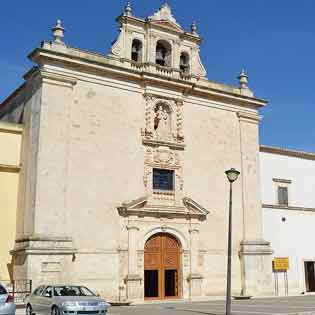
{"points": [[65, 299], [7, 306]]}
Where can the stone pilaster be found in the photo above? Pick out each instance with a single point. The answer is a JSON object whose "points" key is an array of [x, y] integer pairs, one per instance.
{"points": [[255, 253], [194, 278], [42, 228], [256, 268], [133, 279]]}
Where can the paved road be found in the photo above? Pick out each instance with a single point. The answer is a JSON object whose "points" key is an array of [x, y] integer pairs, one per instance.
{"points": [[271, 306]]}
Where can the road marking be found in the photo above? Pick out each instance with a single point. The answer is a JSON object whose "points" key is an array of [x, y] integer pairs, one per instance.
{"points": [[273, 306], [201, 311], [256, 312]]}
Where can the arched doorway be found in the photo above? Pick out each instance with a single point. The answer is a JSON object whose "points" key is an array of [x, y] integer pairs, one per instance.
{"points": [[162, 272]]}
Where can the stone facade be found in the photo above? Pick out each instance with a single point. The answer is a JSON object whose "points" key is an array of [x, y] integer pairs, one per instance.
{"points": [[96, 126]]}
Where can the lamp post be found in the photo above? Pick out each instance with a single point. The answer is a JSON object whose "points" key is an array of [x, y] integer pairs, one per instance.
{"points": [[232, 176]]}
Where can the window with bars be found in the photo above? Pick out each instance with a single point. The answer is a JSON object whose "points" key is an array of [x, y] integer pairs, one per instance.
{"points": [[163, 179], [283, 196]]}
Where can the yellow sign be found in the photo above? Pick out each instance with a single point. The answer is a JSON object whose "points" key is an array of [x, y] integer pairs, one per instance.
{"points": [[280, 264]]}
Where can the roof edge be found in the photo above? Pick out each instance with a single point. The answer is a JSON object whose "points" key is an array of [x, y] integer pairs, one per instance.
{"points": [[12, 95], [288, 152]]}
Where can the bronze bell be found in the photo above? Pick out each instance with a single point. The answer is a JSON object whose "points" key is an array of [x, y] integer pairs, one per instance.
{"points": [[160, 57]]}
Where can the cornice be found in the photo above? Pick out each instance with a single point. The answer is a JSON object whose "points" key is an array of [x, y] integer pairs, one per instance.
{"points": [[156, 143], [99, 64], [249, 117], [141, 208], [283, 181], [287, 152], [291, 208], [44, 238], [157, 25]]}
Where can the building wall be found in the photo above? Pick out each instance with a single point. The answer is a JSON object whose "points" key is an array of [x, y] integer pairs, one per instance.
{"points": [[86, 201], [10, 142], [289, 229], [87, 158], [300, 171]]}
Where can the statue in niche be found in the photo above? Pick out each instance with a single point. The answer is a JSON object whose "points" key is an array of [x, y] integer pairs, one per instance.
{"points": [[162, 122]]}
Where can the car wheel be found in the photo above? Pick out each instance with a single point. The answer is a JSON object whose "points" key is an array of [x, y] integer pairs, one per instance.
{"points": [[29, 310], [55, 311]]}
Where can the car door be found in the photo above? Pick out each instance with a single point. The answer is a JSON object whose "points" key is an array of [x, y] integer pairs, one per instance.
{"points": [[34, 298], [45, 301], [3, 295]]}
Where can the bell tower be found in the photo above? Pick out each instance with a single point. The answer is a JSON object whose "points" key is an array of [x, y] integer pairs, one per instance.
{"points": [[159, 41]]}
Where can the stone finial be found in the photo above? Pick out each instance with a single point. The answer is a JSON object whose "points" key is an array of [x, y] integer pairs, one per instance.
{"points": [[164, 14], [165, 4], [194, 28], [128, 9], [58, 32], [243, 80]]}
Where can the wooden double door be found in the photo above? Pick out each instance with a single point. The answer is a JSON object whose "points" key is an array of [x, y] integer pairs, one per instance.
{"points": [[162, 272]]}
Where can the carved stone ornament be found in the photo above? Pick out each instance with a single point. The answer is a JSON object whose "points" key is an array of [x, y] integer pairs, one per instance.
{"points": [[165, 157], [198, 68], [164, 14], [142, 207], [163, 121], [116, 49]]}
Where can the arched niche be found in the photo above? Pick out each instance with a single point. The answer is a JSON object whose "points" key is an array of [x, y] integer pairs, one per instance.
{"points": [[162, 119]]}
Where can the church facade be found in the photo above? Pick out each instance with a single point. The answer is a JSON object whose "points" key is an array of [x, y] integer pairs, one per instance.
{"points": [[122, 185]]}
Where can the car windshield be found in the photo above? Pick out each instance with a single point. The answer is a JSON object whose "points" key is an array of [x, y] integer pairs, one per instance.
{"points": [[2, 290], [72, 291]]}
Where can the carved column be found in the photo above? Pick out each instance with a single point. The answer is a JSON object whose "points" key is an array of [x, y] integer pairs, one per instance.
{"points": [[133, 279], [149, 99], [195, 278], [255, 252], [179, 120]]}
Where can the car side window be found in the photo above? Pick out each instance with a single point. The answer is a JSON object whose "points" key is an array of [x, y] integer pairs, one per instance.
{"points": [[39, 290], [47, 292], [2, 290]]}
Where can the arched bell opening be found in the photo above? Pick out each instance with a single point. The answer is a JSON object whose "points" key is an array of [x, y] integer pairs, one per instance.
{"points": [[162, 267], [163, 53], [136, 50], [184, 63]]}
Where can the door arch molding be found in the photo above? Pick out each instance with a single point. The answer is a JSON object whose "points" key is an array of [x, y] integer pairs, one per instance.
{"points": [[167, 230]]}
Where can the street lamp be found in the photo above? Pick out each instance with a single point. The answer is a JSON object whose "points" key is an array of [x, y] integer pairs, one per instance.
{"points": [[232, 176]]}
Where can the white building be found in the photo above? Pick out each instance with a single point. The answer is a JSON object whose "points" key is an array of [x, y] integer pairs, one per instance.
{"points": [[288, 196]]}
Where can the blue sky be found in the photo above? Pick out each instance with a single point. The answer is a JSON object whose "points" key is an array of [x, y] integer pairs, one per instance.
{"points": [[273, 40]]}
